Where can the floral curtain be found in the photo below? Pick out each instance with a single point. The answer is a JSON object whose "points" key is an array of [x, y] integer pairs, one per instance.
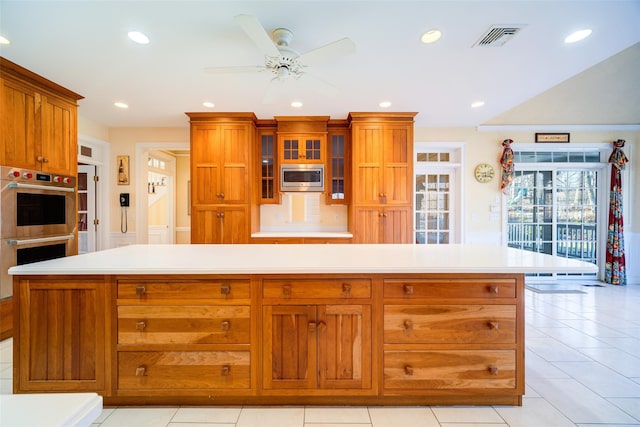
{"points": [[507, 165], [615, 262]]}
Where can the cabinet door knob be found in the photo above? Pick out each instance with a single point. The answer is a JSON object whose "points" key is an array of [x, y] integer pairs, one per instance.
{"points": [[493, 289], [221, 195], [494, 325], [140, 326], [408, 290], [221, 215], [408, 370], [225, 325], [493, 369], [141, 371], [226, 370], [141, 290], [346, 288], [380, 214], [407, 324], [225, 290]]}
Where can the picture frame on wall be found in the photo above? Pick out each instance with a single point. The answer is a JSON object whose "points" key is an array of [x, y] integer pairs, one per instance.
{"points": [[123, 170], [555, 137]]}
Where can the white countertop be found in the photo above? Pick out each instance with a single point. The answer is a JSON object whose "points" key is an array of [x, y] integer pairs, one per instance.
{"points": [[320, 258], [50, 409], [297, 234]]}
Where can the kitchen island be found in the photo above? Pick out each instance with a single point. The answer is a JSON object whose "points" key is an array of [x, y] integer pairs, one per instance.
{"points": [[278, 324]]}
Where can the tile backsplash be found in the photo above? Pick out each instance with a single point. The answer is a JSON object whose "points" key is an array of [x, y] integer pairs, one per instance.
{"points": [[303, 212]]}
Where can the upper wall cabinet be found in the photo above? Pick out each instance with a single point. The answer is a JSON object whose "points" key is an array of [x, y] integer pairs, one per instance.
{"points": [[302, 139], [38, 122]]}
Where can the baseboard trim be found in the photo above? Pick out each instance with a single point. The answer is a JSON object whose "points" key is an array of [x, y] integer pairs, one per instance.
{"points": [[6, 318]]}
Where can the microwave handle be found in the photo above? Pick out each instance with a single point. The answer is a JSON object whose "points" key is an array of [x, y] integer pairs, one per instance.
{"points": [[39, 187], [15, 242]]}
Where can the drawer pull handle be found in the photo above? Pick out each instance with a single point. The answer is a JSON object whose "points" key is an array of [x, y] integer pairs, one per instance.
{"points": [[286, 290], [141, 290], [493, 289], [225, 290], [141, 371], [408, 290], [408, 370], [225, 325], [494, 326], [140, 326], [226, 370], [493, 369], [346, 288], [408, 325]]}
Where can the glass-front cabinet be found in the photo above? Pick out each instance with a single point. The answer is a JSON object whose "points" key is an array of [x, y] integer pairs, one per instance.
{"points": [[337, 169], [268, 167]]}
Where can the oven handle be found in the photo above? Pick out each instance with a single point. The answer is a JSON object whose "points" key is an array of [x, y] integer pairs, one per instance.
{"points": [[40, 187], [12, 242]]}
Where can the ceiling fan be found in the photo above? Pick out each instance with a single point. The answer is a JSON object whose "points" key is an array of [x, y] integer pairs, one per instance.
{"points": [[284, 62]]}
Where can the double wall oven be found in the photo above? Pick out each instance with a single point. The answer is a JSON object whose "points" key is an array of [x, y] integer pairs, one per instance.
{"points": [[37, 219]]}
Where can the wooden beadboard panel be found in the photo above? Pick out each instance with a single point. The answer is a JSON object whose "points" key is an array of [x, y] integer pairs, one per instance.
{"points": [[6, 318]]}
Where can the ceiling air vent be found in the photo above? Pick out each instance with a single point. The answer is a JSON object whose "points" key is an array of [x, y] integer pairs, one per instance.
{"points": [[498, 35]]}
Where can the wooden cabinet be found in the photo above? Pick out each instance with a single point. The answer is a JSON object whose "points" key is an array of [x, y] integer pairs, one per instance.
{"points": [[183, 336], [338, 165], [302, 148], [317, 347], [38, 122], [382, 171], [268, 166], [221, 174], [453, 334], [60, 334]]}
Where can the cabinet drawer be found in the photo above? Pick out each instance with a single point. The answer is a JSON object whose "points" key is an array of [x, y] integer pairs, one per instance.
{"points": [[450, 369], [450, 324], [450, 288], [183, 324], [320, 288], [165, 370], [196, 289]]}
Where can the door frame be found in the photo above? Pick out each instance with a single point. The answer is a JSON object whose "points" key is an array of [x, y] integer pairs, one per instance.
{"points": [[100, 159]]}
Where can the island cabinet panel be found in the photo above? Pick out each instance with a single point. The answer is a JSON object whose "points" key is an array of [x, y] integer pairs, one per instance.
{"points": [[452, 335], [188, 336], [61, 334]]}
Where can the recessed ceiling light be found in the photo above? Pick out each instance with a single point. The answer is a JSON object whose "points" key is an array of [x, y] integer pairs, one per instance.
{"points": [[4, 40], [208, 104], [477, 104], [120, 105], [138, 37], [385, 104], [296, 104], [577, 36], [431, 36]]}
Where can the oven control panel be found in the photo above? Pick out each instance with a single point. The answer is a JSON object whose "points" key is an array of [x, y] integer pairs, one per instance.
{"points": [[28, 176]]}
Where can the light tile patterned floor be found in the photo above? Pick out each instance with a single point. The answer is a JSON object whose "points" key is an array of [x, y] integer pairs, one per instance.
{"points": [[582, 369]]}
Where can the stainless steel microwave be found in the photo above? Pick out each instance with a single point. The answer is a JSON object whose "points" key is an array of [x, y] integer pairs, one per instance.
{"points": [[301, 177]]}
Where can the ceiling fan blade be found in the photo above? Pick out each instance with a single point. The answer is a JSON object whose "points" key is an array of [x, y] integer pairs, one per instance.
{"points": [[274, 91], [328, 52], [319, 85], [233, 70], [258, 34]]}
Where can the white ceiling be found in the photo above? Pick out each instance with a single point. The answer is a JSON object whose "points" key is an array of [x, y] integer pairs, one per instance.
{"points": [[83, 46]]}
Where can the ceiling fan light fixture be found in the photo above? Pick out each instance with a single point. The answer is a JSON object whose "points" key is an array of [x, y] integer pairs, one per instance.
{"points": [[577, 36], [431, 36], [138, 37]]}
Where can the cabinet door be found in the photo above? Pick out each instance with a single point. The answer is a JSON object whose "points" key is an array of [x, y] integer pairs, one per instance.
{"points": [[344, 346], [205, 161], [59, 143], [289, 359], [19, 107], [396, 225], [303, 148], [220, 224], [338, 170], [368, 164], [61, 335], [368, 222], [398, 171], [234, 154]]}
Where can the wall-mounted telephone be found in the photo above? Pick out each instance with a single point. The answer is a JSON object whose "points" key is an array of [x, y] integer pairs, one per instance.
{"points": [[124, 199], [124, 203]]}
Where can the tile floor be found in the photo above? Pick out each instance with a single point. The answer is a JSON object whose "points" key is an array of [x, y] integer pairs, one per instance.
{"points": [[582, 369]]}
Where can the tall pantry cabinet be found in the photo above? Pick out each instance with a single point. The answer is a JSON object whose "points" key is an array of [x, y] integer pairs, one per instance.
{"points": [[221, 173], [382, 172]]}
